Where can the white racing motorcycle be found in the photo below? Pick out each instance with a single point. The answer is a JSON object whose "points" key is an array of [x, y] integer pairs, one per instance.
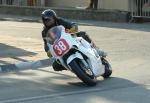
{"points": [[77, 55]]}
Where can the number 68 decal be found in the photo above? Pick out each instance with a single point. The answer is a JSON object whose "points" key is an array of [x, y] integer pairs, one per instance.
{"points": [[60, 47]]}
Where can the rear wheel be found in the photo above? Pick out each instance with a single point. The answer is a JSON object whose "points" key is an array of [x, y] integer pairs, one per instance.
{"points": [[108, 69], [83, 73]]}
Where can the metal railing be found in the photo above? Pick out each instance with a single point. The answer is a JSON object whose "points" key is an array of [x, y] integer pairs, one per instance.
{"points": [[140, 8], [36, 3]]}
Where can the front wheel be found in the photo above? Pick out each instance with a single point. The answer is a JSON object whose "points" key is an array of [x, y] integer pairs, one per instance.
{"points": [[108, 69], [78, 68]]}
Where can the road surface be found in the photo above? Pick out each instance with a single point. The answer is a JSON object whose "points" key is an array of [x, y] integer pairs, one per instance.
{"points": [[128, 50]]}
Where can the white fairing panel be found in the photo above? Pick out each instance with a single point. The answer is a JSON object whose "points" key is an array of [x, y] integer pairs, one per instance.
{"points": [[84, 47], [96, 64], [72, 57]]}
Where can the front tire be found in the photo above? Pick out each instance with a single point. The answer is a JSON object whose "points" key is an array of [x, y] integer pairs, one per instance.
{"points": [[81, 74]]}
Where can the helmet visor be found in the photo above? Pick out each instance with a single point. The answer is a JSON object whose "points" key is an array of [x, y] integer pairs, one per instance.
{"points": [[48, 21]]}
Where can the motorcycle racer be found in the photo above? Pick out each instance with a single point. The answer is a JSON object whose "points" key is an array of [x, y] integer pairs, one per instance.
{"points": [[50, 19]]}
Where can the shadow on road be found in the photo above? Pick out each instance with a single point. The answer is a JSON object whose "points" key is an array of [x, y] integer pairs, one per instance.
{"points": [[114, 89], [7, 51]]}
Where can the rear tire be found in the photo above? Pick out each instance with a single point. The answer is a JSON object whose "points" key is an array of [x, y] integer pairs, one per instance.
{"points": [[108, 69], [81, 74]]}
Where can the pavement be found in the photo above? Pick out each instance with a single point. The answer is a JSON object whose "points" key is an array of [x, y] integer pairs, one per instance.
{"points": [[35, 57], [9, 60], [12, 58], [128, 50]]}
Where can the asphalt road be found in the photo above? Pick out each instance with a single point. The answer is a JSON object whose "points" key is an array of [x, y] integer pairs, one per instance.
{"points": [[128, 50]]}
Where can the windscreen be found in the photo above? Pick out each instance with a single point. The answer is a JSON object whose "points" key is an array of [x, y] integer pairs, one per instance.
{"points": [[53, 34]]}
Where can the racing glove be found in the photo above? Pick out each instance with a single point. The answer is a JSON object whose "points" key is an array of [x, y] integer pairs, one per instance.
{"points": [[73, 29]]}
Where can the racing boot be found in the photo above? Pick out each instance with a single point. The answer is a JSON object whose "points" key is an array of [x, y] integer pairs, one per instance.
{"points": [[101, 52]]}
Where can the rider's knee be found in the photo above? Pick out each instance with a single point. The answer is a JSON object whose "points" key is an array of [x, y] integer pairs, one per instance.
{"points": [[84, 35]]}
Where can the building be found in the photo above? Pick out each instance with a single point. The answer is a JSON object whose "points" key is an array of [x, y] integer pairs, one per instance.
{"points": [[121, 5], [102, 4], [138, 8]]}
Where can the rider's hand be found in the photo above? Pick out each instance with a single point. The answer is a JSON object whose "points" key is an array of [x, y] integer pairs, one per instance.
{"points": [[72, 30]]}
